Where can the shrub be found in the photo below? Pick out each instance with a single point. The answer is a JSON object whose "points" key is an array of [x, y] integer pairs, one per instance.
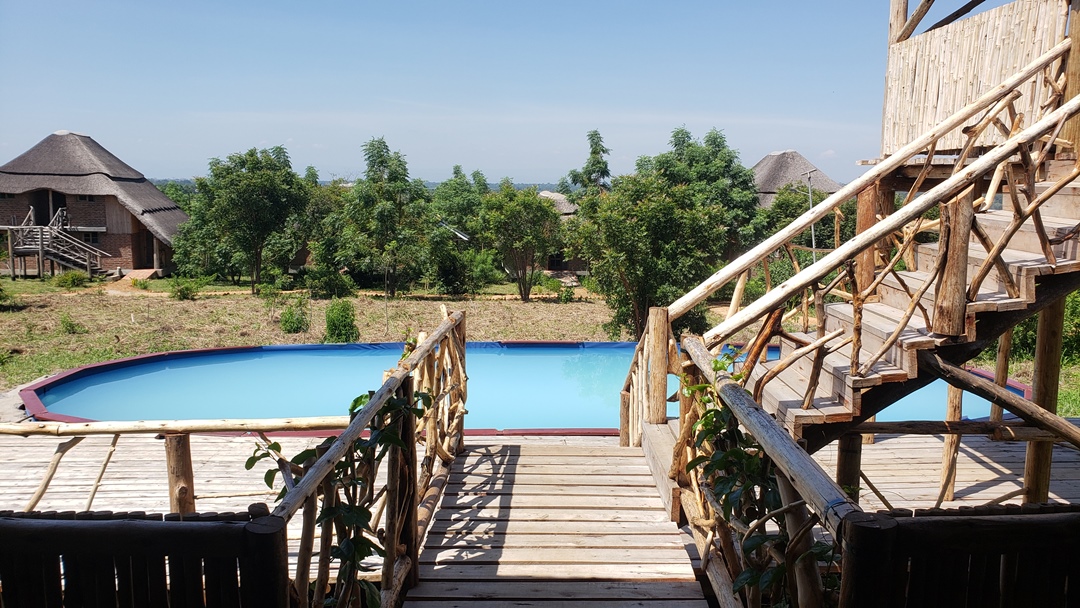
{"points": [[566, 294], [70, 326], [140, 283], [71, 279], [182, 288], [341, 322], [324, 283], [295, 318]]}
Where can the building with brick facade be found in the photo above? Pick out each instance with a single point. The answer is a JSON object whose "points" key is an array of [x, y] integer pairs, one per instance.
{"points": [[68, 183]]}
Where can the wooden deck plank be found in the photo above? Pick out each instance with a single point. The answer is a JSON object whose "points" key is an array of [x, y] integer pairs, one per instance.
{"points": [[568, 590]]}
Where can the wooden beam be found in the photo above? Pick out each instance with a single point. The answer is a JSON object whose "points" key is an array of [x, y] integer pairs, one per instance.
{"points": [[1028, 411], [878, 172], [913, 21], [957, 14], [1001, 369], [1048, 344]]}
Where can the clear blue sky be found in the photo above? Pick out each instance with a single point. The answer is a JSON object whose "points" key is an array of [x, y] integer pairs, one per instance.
{"points": [[507, 87]]}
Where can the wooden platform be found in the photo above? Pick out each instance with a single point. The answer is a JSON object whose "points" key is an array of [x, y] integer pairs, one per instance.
{"points": [[553, 522]]}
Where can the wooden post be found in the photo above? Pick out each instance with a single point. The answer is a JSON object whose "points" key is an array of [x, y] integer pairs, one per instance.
{"points": [[157, 260], [868, 546], [1001, 371], [849, 463], [865, 218], [950, 302], [1071, 130], [624, 419], [1047, 374], [898, 14], [41, 252], [807, 576], [657, 352], [11, 252], [264, 569], [953, 412], [180, 473]]}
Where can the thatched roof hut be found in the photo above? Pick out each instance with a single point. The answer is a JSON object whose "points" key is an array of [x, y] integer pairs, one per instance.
{"points": [[76, 165], [779, 169]]}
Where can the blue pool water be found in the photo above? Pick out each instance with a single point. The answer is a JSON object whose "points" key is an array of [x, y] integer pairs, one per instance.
{"points": [[511, 386]]}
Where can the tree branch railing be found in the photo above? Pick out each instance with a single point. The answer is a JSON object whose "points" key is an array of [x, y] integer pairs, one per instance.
{"points": [[403, 508], [896, 231]]}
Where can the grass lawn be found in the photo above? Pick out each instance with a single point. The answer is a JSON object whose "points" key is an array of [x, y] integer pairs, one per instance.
{"points": [[54, 329]]}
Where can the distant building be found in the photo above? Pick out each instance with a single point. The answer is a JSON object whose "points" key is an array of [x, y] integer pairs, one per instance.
{"points": [[563, 205], [779, 169], [80, 193]]}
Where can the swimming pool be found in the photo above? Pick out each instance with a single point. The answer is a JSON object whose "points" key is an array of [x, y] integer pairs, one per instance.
{"points": [[511, 385]]}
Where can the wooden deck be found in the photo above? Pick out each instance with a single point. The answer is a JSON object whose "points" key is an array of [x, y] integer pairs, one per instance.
{"points": [[526, 521], [553, 522]]}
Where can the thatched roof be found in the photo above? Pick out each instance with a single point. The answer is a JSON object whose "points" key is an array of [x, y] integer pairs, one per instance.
{"points": [[779, 169], [76, 164], [562, 204]]}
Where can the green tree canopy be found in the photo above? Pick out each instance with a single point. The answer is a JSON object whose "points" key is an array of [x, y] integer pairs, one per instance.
{"points": [[524, 228], [659, 232], [243, 201], [383, 228], [791, 202]]}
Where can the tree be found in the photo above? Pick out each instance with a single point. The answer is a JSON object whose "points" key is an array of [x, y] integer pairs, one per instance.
{"points": [[791, 202], [594, 176], [525, 230], [384, 226], [661, 231], [248, 196]]}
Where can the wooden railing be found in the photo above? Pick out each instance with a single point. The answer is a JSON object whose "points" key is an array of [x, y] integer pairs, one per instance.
{"points": [[855, 269], [51, 241], [644, 394], [402, 505], [738, 536]]}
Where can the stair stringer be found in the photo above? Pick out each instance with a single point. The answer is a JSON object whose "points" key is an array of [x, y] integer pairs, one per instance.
{"points": [[988, 328]]}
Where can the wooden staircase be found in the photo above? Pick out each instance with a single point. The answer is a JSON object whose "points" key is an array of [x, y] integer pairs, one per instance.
{"points": [[843, 397]]}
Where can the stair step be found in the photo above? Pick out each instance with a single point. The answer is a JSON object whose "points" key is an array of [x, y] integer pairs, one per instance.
{"points": [[1024, 266], [987, 300], [783, 397], [1065, 204], [836, 379], [878, 323], [1026, 239]]}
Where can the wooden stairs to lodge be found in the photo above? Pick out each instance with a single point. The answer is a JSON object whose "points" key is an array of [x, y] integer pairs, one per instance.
{"points": [[557, 522], [842, 397]]}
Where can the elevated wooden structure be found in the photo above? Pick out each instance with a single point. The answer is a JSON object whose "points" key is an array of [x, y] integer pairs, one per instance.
{"points": [[966, 226]]}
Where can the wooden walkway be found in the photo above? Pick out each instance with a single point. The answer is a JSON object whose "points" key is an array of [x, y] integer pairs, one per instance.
{"points": [[526, 521], [553, 522]]}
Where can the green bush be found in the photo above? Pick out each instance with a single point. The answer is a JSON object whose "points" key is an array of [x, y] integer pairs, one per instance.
{"points": [[1024, 334], [341, 322], [325, 284], [71, 279], [70, 326], [295, 318], [182, 288], [140, 283]]}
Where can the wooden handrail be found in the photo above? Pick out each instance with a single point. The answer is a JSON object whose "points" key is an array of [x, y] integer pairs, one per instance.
{"points": [[743, 263], [889, 225], [819, 491], [309, 485]]}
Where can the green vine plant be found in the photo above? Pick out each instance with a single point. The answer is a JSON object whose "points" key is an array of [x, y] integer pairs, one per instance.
{"points": [[741, 479], [356, 506]]}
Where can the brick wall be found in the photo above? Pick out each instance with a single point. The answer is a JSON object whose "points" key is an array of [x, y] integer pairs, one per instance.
{"points": [[87, 213], [14, 210], [119, 245]]}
